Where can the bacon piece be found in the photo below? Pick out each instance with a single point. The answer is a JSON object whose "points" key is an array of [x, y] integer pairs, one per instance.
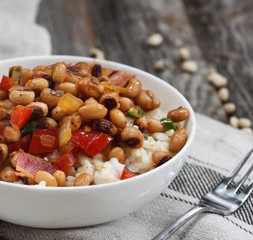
{"points": [[120, 78], [27, 165]]}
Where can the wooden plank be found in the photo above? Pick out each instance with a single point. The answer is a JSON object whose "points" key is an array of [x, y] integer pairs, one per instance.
{"points": [[224, 32], [120, 29]]}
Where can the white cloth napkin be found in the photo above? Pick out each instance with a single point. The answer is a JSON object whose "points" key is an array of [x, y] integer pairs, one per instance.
{"points": [[19, 34], [216, 149]]}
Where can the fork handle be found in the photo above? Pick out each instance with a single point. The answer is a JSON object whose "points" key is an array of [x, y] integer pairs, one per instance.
{"points": [[168, 231]]}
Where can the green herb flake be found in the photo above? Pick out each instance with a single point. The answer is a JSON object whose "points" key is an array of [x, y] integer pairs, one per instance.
{"points": [[168, 123], [135, 112]]}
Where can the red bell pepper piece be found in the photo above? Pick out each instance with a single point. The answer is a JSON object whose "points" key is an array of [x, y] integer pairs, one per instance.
{"points": [[127, 174], [20, 116], [91, 142], [5, 83], [65, 162], [44, 141], [23, 143]]}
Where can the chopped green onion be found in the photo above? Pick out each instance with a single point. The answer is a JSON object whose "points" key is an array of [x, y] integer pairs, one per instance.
{"points": [[29, 128], [168, 123], [14, 72], [135, 112]]}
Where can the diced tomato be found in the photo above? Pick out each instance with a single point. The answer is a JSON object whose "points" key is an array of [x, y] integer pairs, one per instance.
{"points": [[23, 143], [91, 142], [65, 162], [5, 84], [28, 165], [44, 141], [127, 174], [20, 116]]}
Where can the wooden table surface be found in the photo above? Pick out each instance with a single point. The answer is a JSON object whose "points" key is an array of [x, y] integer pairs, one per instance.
{"points": [[218, 33]]}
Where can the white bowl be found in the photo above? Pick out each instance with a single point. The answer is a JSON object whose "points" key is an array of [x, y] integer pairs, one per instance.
{"points": [[35, 206]]}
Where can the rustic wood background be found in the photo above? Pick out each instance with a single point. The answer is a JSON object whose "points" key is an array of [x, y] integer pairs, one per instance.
{"points": [[218, 33]]}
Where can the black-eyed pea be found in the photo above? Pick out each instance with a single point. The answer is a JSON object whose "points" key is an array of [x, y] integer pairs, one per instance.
{"points": [[90, 100], [3, 152], [60, 177], [81, 69], [83, 179], [90, 87], [47, 177], [118, 118], [109, 100], [178, 140], [144, 100], [160, 157], [125, 104], [132, 137], [132, 89], [96, 70], [21, 96], [57, 113], [12, 134], [51, 97], [40, 110], [147, 100], [72, 78], [39, 68], [155, 102], [3, 94], [154, 125], [105, 126], [117, 152], [76, 121], [59, 72], [179, 114], [92, 111], [25, 75], [8, 174], [142, 123], [46, 123], [37, 84], [5, 107], [67, 87]]}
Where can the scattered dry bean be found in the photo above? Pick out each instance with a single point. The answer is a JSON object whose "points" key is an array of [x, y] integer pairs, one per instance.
{"points": [[155, 40], [233, 121], [184, 54], [217, 79], [96, 53], [160, 64], [244, 123], [223, 94], [229, 108], [189, 66]]}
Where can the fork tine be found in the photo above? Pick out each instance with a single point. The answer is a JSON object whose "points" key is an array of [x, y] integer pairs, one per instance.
{"points": [[243, 178], [247, 191], [229, 178]]}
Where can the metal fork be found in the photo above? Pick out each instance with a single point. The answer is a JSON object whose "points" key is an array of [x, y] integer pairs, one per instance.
{"points": [[224, 199]]}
